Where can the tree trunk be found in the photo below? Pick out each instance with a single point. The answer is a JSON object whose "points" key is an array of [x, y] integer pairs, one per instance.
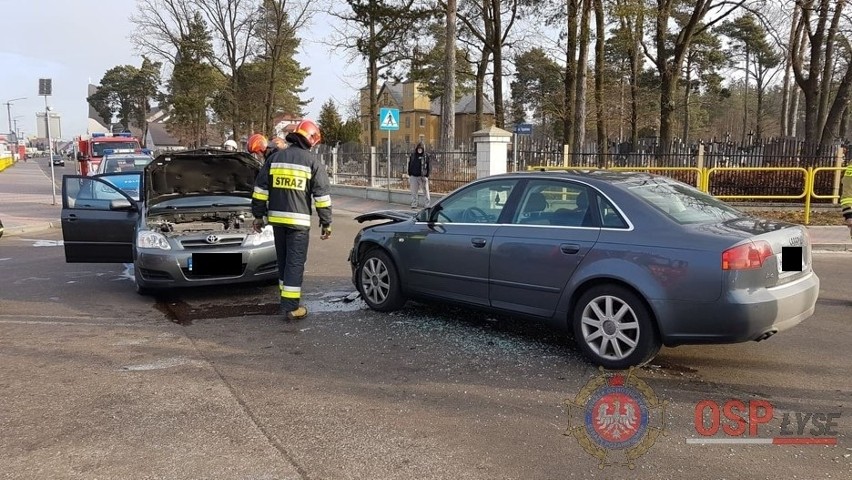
{"points": [[481, 71], [497, 50], [786, 89], [636, 60], [448, 101], [599, 83], [570, 75], [686, 99], [582, 69], [745, 97], [374, 101], [832, 131]]}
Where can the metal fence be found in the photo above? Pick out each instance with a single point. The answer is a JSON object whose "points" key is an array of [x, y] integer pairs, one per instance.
{"points": [[358, 165], [770, 168]]}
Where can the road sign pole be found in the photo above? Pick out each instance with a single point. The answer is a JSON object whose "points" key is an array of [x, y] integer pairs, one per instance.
{"points": [[50, 149], [389, 167]]}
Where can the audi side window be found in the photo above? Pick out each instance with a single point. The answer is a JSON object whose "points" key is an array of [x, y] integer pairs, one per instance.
{"points": [[481, 203], [610, 218]]}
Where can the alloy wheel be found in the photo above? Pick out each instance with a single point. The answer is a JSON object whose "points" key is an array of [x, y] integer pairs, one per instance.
{"points": [[375, 280], [610, 327]]}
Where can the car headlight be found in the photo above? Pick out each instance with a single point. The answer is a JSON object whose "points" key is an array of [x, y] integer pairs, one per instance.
{"points": [[257, 239], [149, 239]]}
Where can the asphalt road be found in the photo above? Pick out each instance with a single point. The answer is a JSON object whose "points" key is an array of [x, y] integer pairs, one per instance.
{"points": [[99, 382]]}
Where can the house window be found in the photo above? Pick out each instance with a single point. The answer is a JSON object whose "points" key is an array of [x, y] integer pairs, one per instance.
{"points": [[422, 139], [408, 139], [422, 122], [407, 122]]}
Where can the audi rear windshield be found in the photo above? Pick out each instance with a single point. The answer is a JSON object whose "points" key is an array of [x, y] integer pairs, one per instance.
{"points": [[682, 203]]}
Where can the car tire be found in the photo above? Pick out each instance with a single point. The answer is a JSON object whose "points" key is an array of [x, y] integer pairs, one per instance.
{"points": [[378, 282], [614, 328]]}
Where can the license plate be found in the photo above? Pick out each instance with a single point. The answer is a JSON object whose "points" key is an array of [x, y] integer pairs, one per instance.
{"points": [[781, 270], [216, 264]]}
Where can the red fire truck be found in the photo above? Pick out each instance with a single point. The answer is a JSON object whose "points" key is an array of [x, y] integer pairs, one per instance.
{"points": [[91, 150]]}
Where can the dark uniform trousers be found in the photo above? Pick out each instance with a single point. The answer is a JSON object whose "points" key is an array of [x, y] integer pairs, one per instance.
{"points": [[291, 246]]}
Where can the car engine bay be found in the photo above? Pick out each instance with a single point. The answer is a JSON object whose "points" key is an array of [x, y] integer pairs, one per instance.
{"points": [[201, 221]]}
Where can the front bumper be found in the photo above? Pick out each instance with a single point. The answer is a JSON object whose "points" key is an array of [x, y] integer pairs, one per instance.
{"points": [[739, 316], [170, 268]]}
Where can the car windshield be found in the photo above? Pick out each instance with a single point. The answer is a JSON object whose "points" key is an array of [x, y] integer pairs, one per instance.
{"points": [[99, 147], [203, 201], [683, 203]]}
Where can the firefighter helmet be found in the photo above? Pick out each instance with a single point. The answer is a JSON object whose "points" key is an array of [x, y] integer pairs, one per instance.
{"points": [[230, 145], [308, 132], [257, 143]]}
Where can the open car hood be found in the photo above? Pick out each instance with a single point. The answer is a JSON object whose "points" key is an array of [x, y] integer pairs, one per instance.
{"points": [[200, 172], [395, 215]]}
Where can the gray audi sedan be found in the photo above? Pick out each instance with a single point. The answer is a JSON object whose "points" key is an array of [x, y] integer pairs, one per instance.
{"points": [[624, 261], [184, 221]]}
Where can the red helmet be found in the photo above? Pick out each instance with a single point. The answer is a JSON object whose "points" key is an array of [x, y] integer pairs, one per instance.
{"points": [[257, 143], [309, 132]]}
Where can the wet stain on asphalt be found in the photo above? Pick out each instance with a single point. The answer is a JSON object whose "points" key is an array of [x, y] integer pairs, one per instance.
{"points": [[182, 313]]}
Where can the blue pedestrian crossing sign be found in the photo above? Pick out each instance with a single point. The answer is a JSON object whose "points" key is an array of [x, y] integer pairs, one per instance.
{"points": [[389, 119]]}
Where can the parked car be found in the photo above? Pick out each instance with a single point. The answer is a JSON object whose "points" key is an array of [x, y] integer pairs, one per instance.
{"points": [[58, 160], [124, 163], [626, 262], [190, 225]]}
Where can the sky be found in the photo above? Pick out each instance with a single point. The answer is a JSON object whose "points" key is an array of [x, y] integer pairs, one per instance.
{"points": [[75, 42]]}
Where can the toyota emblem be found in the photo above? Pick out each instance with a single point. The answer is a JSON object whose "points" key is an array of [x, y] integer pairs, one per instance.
{"points": [[212, 239]]}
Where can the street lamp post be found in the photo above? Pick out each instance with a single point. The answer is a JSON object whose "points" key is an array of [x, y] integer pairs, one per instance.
{"points": [[9, 110]]}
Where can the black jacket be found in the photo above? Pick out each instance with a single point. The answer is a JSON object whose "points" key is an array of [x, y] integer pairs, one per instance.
{"points": [[285, 185], [419, 164]]}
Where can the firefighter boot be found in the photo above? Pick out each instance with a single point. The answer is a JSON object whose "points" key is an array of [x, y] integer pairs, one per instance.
{"points": [[294, 315]]}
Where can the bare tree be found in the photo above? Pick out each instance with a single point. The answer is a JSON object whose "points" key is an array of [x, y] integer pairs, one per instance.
{"points": [[582, 74], [161, 26], [671, 49], [378, 31], [278, 25], [232, 23], [448, 100], [818, 27], [600, 34]]}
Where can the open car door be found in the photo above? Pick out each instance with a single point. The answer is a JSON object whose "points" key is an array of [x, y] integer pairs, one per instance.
{"points": [[98, 218]]}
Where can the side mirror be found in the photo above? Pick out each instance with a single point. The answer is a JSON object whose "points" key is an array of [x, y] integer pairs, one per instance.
{"points": [[120, 204]]}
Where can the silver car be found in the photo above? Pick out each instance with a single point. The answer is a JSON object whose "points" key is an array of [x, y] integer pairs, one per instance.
{"points": [[184, 221], [627, 262]]}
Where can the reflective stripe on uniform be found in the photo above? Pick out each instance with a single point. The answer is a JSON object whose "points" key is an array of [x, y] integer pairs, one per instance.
{"points": [[290, 169], [289, 292], [260, 194], [323, 201], [289, 218]]}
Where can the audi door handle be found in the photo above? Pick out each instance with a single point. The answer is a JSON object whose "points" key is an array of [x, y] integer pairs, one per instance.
{"points": [[478, 242], [569, 248]]}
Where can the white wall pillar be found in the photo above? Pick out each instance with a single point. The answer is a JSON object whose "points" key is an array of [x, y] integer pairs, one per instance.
{"points": [[491, 144]]}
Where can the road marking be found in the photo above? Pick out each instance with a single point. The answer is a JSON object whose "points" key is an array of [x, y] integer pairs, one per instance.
{"points": [[44, 243], [161, 364], [66, 320]]}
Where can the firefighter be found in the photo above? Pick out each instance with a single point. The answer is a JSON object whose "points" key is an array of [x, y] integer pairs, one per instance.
{"points": [[290, 177], [846, 197]]}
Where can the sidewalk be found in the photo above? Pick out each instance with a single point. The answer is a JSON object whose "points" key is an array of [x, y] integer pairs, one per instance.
{"points": [[26, 205]]}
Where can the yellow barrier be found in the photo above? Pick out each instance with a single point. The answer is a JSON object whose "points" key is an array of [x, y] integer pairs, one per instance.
{"points": [[811, 188], [805, 181], [6, 162]]}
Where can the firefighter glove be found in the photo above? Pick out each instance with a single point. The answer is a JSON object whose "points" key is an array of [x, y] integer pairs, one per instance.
{"points": [[325, 232]]}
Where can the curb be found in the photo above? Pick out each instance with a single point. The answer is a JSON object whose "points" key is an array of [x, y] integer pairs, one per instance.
{"points": [[832, 247], [15, 231]]}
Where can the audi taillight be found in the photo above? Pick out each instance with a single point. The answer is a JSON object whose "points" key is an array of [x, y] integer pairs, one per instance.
{"points": [[747, 256]]}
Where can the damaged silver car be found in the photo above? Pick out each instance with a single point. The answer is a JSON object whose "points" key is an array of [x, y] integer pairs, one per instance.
{"points": [[188, 224]]}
